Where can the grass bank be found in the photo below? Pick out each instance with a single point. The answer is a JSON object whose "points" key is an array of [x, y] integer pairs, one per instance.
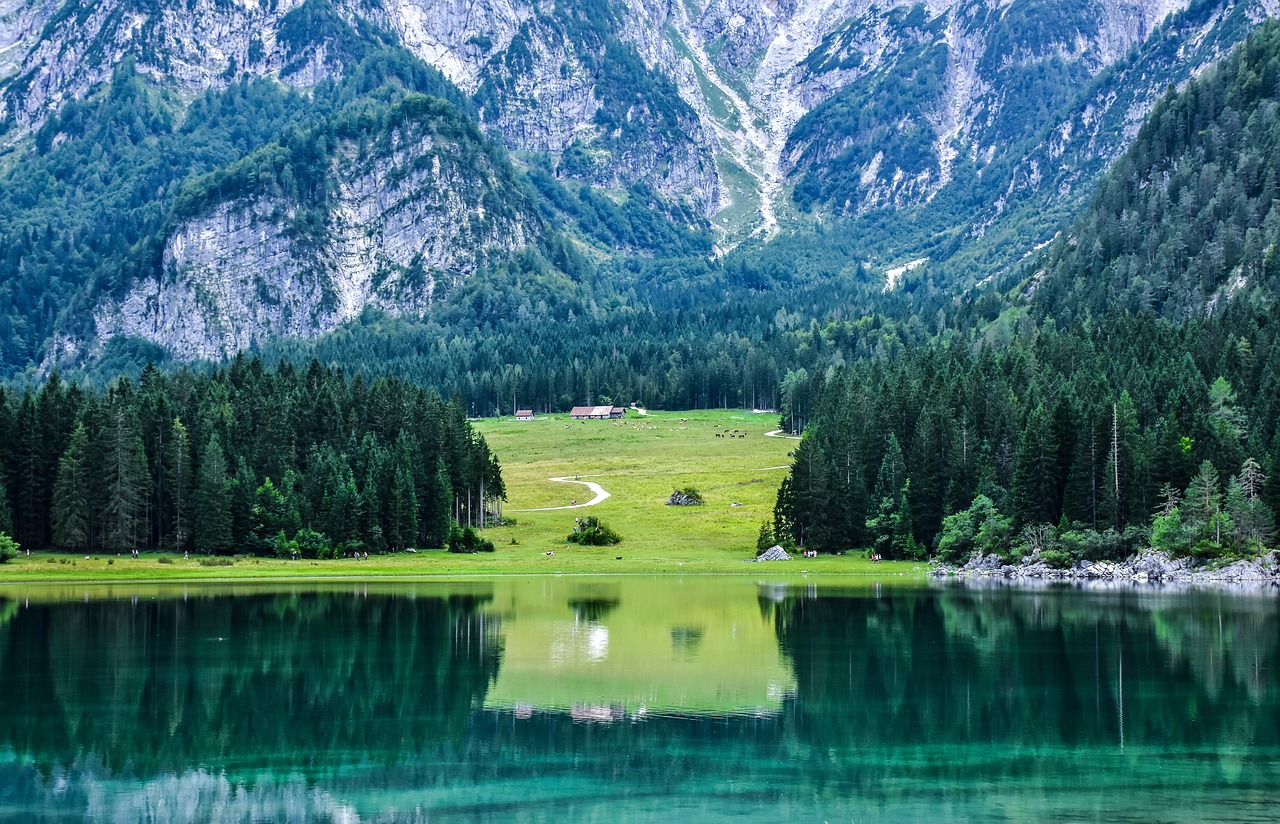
{"points": [[639, 461]]}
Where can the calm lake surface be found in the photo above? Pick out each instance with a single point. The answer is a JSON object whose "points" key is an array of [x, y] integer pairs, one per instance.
{"points": [[702, 699]]}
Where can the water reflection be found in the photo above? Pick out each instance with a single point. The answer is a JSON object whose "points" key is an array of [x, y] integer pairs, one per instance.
{"points": [[556, 699], [633, 648]]}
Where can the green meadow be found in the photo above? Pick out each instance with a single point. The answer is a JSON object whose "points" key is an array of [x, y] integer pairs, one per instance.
{"points": [[639, 461]]}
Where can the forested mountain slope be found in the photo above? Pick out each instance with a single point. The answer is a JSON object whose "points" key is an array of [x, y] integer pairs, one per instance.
{"points": [[1188, 217], [268, 170], [1141, 378]]}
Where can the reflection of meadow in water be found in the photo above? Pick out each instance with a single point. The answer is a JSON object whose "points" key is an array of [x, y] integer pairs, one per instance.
{"points": [[638, 699], [632, 648]]}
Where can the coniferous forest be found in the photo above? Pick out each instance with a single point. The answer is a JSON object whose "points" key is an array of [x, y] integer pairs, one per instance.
{"points": [[1130, 397], [286, 462], [1093, 434]]}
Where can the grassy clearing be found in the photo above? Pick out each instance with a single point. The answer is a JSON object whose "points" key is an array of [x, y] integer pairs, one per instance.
{"points": [[639, 461]]}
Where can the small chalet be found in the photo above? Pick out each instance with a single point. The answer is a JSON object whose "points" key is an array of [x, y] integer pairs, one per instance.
{"points": [[597, 413], [524, 414]]}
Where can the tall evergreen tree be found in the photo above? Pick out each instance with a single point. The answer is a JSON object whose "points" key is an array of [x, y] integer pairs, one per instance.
{"points": [[1035, 479], [178, 465], [1252, 522], [402, 510], [125, 479], [211, 515], [890, 525], [72, 510]]}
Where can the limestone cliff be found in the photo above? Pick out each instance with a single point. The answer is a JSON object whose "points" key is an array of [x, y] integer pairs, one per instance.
{"points": [[418, 213]]}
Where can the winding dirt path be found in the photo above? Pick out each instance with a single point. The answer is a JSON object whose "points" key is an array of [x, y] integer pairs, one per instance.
{"points": [[599, 491], [778, 433]]}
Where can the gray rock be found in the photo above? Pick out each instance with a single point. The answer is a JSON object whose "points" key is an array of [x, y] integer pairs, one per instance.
{"points": [[774, 553]]}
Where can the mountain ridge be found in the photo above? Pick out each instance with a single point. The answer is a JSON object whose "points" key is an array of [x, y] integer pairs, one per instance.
{"points": [[955, 138]]}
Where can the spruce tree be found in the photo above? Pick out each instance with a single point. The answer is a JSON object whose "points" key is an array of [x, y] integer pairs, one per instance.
{"points": [[211, 515], [1252, 522], [72, 511], [181, 480], [890, 526], [243, 490], [402, 511], [437, 512], [125, 480], [1035, 483], [6, 513], [1204, 502]]}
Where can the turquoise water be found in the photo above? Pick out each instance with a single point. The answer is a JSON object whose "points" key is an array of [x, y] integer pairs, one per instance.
{"points": [[703, 699]]}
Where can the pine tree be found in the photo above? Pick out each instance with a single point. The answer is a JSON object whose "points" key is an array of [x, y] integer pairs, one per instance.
{"points": [[211, 515], [72, 513], [1253, 523], [890, 527], [1035, 483], [125, 480], [181, 479], [403, 511]]}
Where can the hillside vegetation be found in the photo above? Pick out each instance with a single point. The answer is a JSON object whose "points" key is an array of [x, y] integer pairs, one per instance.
{"points": [[1128, 397]]}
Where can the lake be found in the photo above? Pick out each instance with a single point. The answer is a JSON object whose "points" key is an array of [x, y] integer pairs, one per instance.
{"points": [[637, 699]]}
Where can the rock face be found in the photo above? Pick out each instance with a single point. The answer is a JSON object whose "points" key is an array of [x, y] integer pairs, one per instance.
{"points": [[860, 105], [536, 66], [402, 224], [678, 498]]}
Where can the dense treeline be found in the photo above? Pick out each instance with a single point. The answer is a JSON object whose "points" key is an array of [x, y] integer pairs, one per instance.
{"points": [[277, 461], [948, 449]]}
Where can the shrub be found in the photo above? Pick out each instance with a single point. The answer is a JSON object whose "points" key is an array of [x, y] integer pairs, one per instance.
{"points": [[163, 560], [8, 548], [980, 528], [690, 495], [589, 531], [765, 539], [468, 540], [1169, 533], [216, 562], [1057, 558], [282, 547], [311, 544]]}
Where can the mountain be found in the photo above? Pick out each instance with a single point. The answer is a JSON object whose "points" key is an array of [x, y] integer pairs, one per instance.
{"points": [[1128, 394], [213, 174], [1187, 218]]}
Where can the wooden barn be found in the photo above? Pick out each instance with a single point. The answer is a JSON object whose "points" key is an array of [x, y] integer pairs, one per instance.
{"points": [[597, 413]]}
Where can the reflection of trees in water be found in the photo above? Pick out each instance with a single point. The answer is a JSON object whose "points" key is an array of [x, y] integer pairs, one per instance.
{"points": [[301, 681], [1029, 672], [594, 609], [685, 641], [592, 602], [922, 692]]}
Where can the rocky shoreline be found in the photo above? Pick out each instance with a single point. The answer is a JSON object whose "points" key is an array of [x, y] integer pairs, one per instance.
{"points": [[1148, 566]]}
